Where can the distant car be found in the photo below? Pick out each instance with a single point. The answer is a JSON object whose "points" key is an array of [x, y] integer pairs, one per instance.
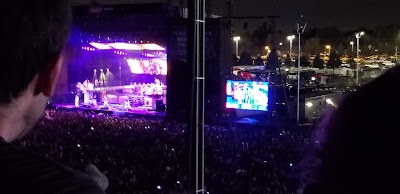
{"points": [[345, 65], [245, 75]]}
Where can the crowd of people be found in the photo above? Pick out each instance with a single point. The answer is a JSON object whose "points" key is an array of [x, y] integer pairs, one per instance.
{"points": [[141, 155]]}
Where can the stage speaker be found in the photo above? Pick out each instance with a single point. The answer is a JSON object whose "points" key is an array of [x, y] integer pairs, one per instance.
{"points": [[160, 106]]}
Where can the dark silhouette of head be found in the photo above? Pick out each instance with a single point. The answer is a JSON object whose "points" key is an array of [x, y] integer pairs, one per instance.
{"points": [[356, 149], [33, 36]]}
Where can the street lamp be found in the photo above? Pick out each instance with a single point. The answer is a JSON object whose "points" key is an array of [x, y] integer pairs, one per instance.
{"points": [[268, 49], [236, 39], [329, 48], [352, 46], [291, 38], [358, 36]]}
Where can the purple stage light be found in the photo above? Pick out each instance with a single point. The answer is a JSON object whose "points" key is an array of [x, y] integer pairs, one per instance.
{"points": [[88, 49], [100, 46], [127, 46], [148, 55], [120, 53]]}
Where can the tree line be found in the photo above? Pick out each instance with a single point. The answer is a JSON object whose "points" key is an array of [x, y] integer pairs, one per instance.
{"points": [[381, 40]]}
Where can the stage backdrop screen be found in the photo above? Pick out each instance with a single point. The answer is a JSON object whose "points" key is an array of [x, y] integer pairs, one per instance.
{"points": [[247, 95]]}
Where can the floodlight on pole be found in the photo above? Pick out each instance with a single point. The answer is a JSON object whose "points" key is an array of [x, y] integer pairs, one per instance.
{"points": [[329, 48], [268, 49], [291, 38], [352, 46], [358, 36]]}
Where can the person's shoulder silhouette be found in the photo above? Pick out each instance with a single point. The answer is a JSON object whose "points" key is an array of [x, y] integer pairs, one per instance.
{"points": [[23, 172], [356, 148]]}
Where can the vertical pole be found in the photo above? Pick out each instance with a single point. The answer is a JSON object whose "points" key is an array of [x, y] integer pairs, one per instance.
{"points": [[196, 54], [237, 48], [300, 30], [290, 50], [358, 58], [298, 82]]}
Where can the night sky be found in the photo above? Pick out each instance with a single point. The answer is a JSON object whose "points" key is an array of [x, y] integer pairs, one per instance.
{"points": [[345, 14]]}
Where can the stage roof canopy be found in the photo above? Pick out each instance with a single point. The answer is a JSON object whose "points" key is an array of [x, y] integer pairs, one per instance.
{"points": [[127, 46]]}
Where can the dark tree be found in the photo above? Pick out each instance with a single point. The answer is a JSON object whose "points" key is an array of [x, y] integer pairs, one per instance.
{"points": [[259, 62], [352, 63], [318, 62], [334, 61], [259, 37], [304, 61], [245, 59], [235, 60], [312, 46], [341, 49], [272, 60], [288, 61]]}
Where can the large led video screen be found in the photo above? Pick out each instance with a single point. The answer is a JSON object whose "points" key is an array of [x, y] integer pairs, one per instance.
{"points": [[247, 95], [148, 66]]}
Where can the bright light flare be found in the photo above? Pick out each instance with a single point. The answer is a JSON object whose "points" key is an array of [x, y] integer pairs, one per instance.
{"points": [[291, 37], [330, 102]]}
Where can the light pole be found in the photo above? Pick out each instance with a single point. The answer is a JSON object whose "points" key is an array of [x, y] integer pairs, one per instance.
{"points": [[236, 39], [291, 38], [352, 46], [300, 30], [358, 36], [329, 49]]}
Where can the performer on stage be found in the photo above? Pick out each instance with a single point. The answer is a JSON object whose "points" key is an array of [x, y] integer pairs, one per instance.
{"points": [[102, 81], [127, 105], [95, 79], [105, 102], [77, 100], [157, 87]]}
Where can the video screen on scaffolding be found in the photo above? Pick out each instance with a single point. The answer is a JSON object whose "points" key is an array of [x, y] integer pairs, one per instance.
{"points": [[247, 95]]}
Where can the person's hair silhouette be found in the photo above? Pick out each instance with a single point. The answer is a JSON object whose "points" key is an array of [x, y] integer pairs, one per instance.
{"points": [[33, 37], [357, 148]]}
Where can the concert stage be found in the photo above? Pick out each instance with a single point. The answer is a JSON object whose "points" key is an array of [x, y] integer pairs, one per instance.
{"points": [[114, 109]]}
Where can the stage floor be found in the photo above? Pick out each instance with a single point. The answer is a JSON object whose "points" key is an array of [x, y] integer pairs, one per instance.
{"points": [[114, 109]]}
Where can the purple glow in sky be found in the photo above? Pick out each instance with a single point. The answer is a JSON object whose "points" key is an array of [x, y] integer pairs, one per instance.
{"points": [[127, 46]]}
